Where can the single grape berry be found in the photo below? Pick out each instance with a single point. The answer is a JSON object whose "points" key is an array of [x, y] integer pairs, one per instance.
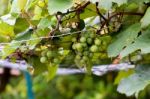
{"points": [[85, 58], [92, 35], [82, 39], [43, 53], [74, 46], [79, 47], [41, 4], [94, 48], [84, 44], [43, 59], [74, 39], [49, 54], [97, 42], [78, 57], [86, 53], [89, 40], [56, 60]]}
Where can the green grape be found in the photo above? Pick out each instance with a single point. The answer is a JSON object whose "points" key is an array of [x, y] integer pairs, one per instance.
{"points": [[92, 35], [86, 53], [97, 42], [103, 55], [56, 60], [82, 39], [43, 53], [85, 58], [89, 40], [94, 48], [41, 3], [90, 54], [49, 54], [74, 39], [84, 44], [79, 47], [78, 57], [82, 62], [104, 43], [74, 46], [43, 59]]}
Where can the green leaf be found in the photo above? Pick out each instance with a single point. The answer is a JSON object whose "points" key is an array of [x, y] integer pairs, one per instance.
{"points": [[142, 43], [10, 48], [121, 75], [124, 38], [14, 7], [37, 13], [139, 1], [52, 70], [55, 6], [6, 29], [120, 2], [19, 27], [44, 23], [89, 11], [135, 82], [145, 21], [107, 4], [38, 66], [24, 35], [21, 4]]}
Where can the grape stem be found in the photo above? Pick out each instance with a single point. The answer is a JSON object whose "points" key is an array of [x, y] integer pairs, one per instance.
{"points": [[116, 14]]}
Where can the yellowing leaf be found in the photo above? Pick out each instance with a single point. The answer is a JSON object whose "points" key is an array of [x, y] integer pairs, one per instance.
{"points": [[22, 4]]}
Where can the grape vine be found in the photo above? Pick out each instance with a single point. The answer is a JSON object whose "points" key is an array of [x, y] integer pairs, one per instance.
{"points": [[51, 33]]}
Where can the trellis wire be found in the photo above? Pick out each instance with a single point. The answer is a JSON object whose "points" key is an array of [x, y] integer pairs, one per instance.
{"points": [[46, 37], [98, 70]]}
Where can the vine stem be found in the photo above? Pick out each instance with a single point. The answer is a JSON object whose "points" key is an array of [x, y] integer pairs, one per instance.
{"points": [[114, 15]]}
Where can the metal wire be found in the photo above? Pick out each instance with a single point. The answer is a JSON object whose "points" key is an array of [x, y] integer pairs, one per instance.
{"points": [[40, 38]]}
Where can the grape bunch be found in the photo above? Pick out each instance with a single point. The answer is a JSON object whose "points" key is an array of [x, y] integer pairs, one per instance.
{"points": [[89, 47], [53, 57]]}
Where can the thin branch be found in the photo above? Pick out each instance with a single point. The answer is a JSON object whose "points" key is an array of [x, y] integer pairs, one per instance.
{"points": [[116, 14], [99, 13]]}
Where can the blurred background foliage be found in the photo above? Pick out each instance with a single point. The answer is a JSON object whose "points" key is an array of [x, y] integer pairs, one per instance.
{"points": [[68, 87]]}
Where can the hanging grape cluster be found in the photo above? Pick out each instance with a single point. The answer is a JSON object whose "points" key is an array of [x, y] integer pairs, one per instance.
{"points": [[53, 57], [89, 47]]}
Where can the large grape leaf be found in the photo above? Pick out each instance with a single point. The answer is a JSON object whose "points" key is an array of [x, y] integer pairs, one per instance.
{"points": [[124, 38], [142, 43], [135, 82], [55, 6], [145, 21]]}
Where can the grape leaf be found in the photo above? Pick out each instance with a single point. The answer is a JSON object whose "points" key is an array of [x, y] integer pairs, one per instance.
{"points": [[142, 43], [55, 6], [20, 28], [52, 70], [124, 38], [44, 23], [108, 4], [145, 21], [10, 48], [139, 1], [135, 82], [6, 29]]}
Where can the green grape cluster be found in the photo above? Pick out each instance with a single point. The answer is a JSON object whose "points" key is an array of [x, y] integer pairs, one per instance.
{"points": [[49, 56], [88, 46]]}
